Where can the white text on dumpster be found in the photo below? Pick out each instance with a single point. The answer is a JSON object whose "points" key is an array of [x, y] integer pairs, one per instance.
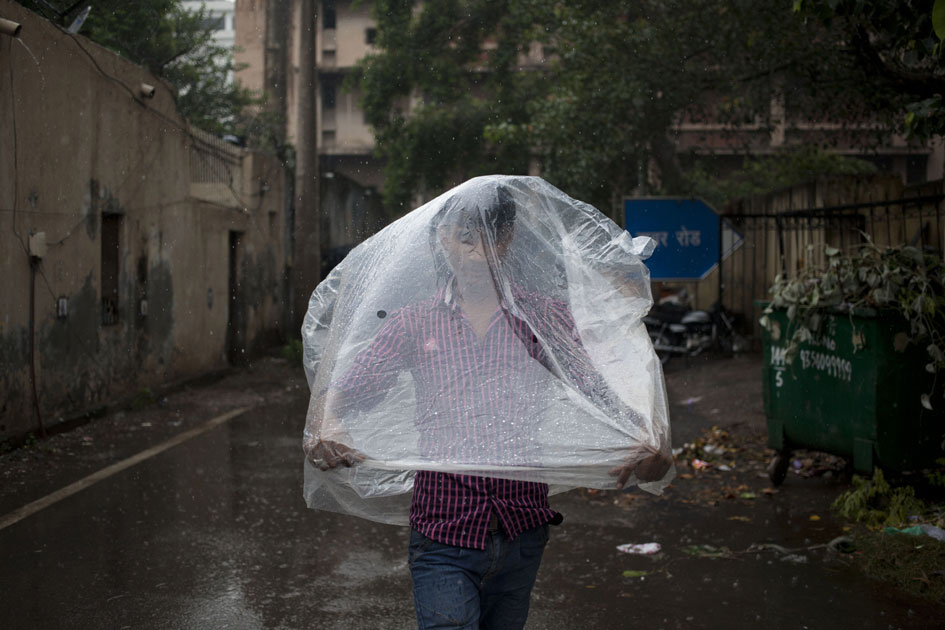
{"points": [[829, 364]]}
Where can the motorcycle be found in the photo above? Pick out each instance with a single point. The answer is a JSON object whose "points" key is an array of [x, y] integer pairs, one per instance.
{"points": [[677, 329]]}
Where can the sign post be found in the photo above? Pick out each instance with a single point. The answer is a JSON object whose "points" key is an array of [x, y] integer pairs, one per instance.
{"points": [[691, 238]]}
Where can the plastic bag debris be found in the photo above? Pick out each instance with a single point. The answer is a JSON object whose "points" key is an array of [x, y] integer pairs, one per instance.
{"points": [[841, 544], [919, 530], [644, 549], [401, 351]]}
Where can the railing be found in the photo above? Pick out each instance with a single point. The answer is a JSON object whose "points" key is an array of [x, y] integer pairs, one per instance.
{"points": [[787, 241]]}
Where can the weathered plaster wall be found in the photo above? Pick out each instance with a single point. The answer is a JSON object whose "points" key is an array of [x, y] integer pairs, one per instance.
{"points": [[79, 142]]}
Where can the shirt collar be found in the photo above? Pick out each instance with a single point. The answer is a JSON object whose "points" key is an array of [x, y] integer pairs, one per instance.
{"points": [[446, 295]]}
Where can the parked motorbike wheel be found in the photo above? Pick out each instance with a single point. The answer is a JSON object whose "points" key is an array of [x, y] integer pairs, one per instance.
{"points": [[661, 342]]}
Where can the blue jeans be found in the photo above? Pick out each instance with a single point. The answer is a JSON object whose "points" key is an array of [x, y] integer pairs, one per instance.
{"points": [[456, 588]]}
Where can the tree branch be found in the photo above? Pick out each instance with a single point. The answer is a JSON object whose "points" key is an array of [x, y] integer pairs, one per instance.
{"points": [[921, 84]]}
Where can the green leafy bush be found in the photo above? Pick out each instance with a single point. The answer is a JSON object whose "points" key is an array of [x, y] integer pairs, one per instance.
{"points": [[875, 503], [903, 279]]}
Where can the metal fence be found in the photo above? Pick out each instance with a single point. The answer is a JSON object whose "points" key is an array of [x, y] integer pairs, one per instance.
{"points": [[787, 241]]}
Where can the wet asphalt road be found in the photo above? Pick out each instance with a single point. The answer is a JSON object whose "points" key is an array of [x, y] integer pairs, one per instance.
{"points": [[213, 533]]}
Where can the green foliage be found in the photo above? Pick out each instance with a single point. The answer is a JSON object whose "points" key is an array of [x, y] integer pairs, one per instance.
{"points": [[938, 19], [936, 477], [175, 45], [897, 47], [459, 58], [763, 174], [902, 279], [875, 503], [599, 108]]}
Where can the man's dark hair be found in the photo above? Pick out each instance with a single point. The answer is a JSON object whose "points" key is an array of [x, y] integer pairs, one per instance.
{"points": [[500, 215], [492, 212]]}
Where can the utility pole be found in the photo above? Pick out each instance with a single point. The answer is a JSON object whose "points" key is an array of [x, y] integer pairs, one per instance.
{"points": [[307, 255]]}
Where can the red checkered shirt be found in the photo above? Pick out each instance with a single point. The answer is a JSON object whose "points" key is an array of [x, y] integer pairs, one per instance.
{"points": [[469, 394]]}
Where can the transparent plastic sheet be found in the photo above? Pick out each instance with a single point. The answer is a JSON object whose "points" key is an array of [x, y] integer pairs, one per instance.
{"points": [[496, 331]]}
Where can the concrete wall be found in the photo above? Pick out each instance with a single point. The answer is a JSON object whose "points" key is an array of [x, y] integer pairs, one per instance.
{"points": [[84, 159]]}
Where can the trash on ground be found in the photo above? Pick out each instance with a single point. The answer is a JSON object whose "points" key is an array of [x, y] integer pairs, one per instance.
{"points": [[817, 464], [630, 573], [794, 558], [640, 548], [707, 551], [769, 547], [919, 530], [841, 544]]}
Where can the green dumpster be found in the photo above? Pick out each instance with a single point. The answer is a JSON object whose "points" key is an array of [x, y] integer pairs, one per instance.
{"points": [[849, 392]]}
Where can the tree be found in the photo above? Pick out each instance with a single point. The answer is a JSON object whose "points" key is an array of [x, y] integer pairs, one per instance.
{"points": [[897, 48], [602, 114], [459, 59], [172, 43]]}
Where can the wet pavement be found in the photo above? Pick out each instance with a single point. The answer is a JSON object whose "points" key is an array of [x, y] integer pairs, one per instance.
{"points": [[212, 532]]}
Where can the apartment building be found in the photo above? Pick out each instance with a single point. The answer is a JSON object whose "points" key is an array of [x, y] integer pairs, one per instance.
{"points": [[913, 162], [219, 18], [268, 39], [345, 32]]}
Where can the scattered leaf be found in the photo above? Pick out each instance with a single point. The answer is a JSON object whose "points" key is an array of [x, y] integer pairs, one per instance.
{"points": [[630, 573]]}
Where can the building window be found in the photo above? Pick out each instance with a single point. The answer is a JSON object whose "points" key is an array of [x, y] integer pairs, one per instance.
{"points": [[329, 95], [370, 36], [111, 259], [328, 14], [214, 23], [328, 136]]}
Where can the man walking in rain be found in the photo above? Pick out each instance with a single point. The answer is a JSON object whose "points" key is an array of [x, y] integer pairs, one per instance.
{"points": [[491, 368]]}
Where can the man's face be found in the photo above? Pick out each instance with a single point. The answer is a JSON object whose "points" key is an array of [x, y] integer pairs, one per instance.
{"points": [[462, 242], [465, 242]]}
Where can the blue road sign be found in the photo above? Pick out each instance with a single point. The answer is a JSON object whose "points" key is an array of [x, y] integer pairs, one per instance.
{"points": [[687, 235]]}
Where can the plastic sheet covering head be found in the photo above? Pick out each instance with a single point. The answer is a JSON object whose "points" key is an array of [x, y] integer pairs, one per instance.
{"points": [[495, 331]]}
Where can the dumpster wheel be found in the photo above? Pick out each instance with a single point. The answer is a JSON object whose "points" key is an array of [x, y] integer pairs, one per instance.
{"points": [[778, 467]]}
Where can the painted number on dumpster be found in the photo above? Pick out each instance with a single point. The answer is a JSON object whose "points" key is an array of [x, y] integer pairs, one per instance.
{"points": [[829, 364]]}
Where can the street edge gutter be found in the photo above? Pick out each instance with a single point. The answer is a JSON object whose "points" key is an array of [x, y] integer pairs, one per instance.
{"points": [[29, 509]]}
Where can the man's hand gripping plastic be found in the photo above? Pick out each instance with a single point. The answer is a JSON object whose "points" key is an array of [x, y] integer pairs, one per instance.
{"points": [[326, 454], [653, 467]]}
